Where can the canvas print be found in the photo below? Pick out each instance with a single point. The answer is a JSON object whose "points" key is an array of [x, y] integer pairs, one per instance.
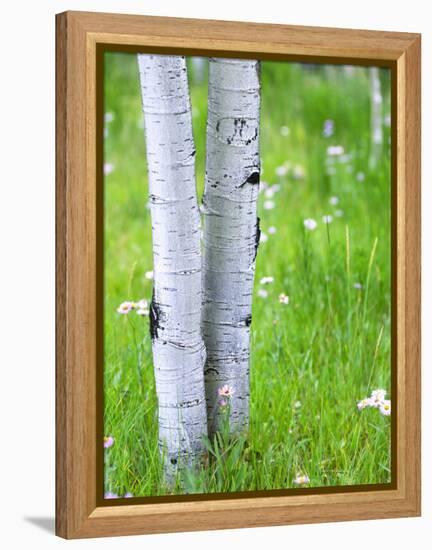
{"points": [[247, 275]]}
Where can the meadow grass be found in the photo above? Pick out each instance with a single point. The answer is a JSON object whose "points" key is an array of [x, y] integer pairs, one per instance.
{"points": [[313, 358]]}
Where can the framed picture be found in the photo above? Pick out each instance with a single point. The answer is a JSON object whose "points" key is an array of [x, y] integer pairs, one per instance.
{"points": [[238, 274]]}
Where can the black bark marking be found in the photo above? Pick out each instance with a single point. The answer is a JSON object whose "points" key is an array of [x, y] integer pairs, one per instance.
{"points": [[254, 179], [248, 141], [155, 315], [258, 70], [211, 369], [257, 237], [240, 128], [248, 320]]}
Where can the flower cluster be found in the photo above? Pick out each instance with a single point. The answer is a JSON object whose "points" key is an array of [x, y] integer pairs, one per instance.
{"points": [[376, 400], [336, 155], [295, 172], [263, 293], [269, 192], [141, 308], [310, 224]]}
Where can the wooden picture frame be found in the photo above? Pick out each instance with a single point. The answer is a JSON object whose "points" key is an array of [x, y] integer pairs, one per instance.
{"points": [[81, 39]]}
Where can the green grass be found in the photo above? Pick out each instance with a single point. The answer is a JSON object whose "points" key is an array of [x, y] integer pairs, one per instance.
{"points": [[312, 359]]}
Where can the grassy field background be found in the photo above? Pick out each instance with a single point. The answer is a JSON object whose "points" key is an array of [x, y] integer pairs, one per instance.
{"points": [[314, 358]]}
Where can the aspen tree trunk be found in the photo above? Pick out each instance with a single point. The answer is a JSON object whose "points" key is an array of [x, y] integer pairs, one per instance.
{"points": [[178, 348], [376, 117], [231, 235]]}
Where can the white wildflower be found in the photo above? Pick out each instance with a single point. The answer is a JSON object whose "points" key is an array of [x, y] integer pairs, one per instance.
{"points": [[385, 407], [345, 158], [283, 298], [269, 205], [284, 130], [263, 185], [364, 403], [335, 150], [310, 224], [269, 193], [272, 230], [298, 172], [266, 280], [226, 391], [108, 168], [327, 218], [301, 479], [378, 397], [125, 307], [379, 393], [333, 201], [149, 275], [263, 237], [262, 293], [281, 171]]}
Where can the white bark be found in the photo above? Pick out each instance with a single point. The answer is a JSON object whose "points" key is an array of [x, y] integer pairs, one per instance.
{"points": [[376, 116], [231, 234], [178, 348]]}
